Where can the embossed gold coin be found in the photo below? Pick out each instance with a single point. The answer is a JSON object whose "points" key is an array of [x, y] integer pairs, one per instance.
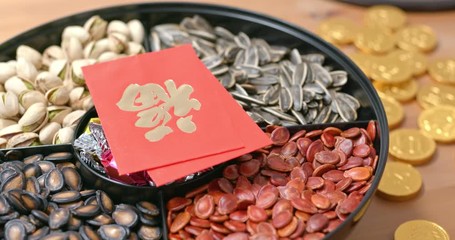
{"points": [[390, 70], [438, 123], [402, 92], [393, 110], [374, 40], [436, 94], [420, 230], [443, 71], [416, 60], [416, 38], [338, 30], [400, 181], [411, 146], [386, 16]]}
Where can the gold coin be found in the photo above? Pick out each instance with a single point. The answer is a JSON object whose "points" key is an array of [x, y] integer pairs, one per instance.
{"points": [[416, 38], [416, 60], [386, 16], [420, 230], [411, 146], [338, 30], [390, 70], [374, 40], [363, 61], [436, 94], [393, 110], [400, 181], [402, 92], [443, 71], [438, 123]]}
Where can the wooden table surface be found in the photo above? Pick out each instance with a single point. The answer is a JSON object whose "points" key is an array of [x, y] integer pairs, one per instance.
{"points": [[436, 201]]}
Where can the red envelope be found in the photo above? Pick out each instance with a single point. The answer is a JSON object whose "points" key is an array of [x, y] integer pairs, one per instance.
{"points": [[246, 130], [162, 108]]}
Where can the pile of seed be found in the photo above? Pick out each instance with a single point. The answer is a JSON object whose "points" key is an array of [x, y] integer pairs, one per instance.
{"points": [[273, 84], [43, 198], [305, 185], [43, 95]]}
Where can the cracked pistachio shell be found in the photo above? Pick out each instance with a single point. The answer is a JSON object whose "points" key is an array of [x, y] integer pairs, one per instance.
{"points": [[87, 103], [51, 54], [29, 97], [47, 133], [76, 72], [29, 54], [72, 48], [46, 81], [76, 94], [34, 118], [22, 140], [108, 56], [58, 96], [6, 122], [3, 143], [9, 105], [77, 32], [137, 31], [58, 113], [117, 42], [26, 70], [117, 26], [95, 48], [59, 68], [64, 135], [73, 118], [6, 71], [96, 27], [10, 131], [134, 48], [17, 85]]}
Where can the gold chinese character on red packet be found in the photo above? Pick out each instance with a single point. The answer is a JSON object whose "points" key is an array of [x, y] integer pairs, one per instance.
{"points": [[165, 108]]}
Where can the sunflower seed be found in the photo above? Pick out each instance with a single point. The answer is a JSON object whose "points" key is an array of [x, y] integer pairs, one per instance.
{"points": [[285, 100], [247, 99], [279, 114]]}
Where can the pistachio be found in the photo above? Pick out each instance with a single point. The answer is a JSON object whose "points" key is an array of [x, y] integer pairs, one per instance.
{"points": [[29, 97], [72, 48], [48, 132], [10, 131], [26, 70], [46, 81], [51, 54], [96, 27], [9, 105], [58, 113], [117, 26], [64, 135], [77, 32], [76, 94], [59, 68], [6, 122], [29, 54], [17, 85], [34, 118], [73, 118], [95, 48], [22, 140], [107, 56], [76, 74], [117, 42], [87, 103], [3, 143], [58, 96], [6, 71], [136, 30], [134, 48]]}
